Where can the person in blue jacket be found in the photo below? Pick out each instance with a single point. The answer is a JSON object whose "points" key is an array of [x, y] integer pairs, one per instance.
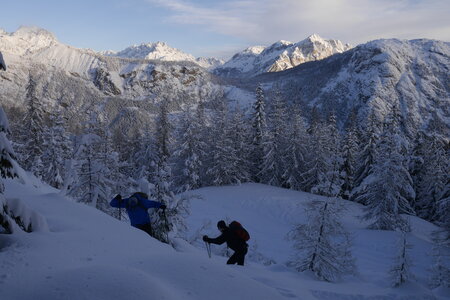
{"points": [[137, 206]]}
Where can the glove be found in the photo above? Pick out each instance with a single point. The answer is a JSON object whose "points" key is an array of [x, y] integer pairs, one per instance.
{"points": [[118, 197], [205, 238], [163, 207]]}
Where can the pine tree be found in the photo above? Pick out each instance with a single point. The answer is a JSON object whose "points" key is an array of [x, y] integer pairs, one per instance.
{"points": [[259, 133], [191, 149], [8, 169], [224, 163], [400, 271], [365, 158], [323, 245], [389, 187], [431, 180], [162, 177], [32, 132], [329, 180], [349, 150], [57, 149], [91, 184], [274, 145], [295, 151], [240, 139]]}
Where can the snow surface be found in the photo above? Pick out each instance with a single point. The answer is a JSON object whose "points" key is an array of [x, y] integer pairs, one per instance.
{"points": [[86, 254]]}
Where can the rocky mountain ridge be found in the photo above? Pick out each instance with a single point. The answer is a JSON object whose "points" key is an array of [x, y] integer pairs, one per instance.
{"points": [[279, 56]]}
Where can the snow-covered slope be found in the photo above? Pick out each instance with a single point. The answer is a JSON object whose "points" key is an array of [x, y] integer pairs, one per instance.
{"points": [[280, 56], [162, 51], [86, 254], [79, 78]]}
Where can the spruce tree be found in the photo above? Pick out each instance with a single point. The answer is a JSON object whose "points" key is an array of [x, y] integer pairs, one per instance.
{"points": [[349, 152], [32, 132], [57, 150], [389, 187], [259, 133], [8, 169], [275, 144], [295, 150]]}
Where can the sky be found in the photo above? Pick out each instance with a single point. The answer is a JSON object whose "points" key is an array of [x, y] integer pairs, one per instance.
{"points": [[221, 28]]}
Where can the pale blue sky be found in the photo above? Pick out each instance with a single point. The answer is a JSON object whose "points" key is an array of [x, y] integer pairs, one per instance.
{"points": [[220, 28]]}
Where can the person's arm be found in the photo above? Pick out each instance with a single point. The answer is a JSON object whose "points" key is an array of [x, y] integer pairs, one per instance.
{"points": [[118, 202], [152, 204], [218, 240]]}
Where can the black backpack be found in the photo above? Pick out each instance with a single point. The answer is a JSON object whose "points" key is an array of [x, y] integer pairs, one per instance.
{"points": [[239, 230]]}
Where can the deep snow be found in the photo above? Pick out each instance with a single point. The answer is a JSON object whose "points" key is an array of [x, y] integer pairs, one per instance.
{"points": [[86, 254]]}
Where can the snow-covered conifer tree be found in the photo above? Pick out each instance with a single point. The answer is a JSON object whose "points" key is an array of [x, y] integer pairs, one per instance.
{"points": [[162, 177], [389, 186], [323, 245], [57, 149], [224, 161], [295, 150], [365, 158], [400, 271], [91, 184], [275, 143], [32, 132], [349, 152], [329, 181], [259, 133], [8, 169], [240, 138], [190, 151]]}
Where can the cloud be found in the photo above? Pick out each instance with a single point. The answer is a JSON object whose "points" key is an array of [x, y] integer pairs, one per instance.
{"points": [[354, 21]]}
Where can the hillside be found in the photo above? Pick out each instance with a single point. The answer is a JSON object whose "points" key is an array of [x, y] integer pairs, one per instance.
{"points": [[85, 254]]}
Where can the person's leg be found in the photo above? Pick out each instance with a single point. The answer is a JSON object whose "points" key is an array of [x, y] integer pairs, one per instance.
{"points": [[233, 259], [241, 256], [146, 227]]}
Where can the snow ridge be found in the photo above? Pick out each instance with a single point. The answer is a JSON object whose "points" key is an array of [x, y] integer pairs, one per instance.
{"points": [[280, 56]]}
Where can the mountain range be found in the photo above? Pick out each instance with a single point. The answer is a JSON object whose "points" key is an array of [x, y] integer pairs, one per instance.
{"points": [[326, 74]]}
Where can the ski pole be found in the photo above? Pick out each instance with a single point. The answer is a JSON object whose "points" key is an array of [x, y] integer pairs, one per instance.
{"points": [[208, 249]]}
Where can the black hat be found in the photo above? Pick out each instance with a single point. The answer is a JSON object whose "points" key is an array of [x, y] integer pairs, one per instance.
{"points": [[221, 224]]}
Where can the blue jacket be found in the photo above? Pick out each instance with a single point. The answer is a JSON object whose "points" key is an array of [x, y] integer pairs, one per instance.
{"points": [[137, 210]]}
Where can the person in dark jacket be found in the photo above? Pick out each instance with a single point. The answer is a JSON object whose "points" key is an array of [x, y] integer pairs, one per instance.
{"points": [[235, 243], [137, 206]]}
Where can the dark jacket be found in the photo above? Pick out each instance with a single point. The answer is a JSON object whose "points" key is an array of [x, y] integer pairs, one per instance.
{"points": [[233, 241], [138, 213]]}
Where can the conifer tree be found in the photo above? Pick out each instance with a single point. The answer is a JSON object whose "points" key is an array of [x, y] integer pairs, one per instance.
{"points": [[240, 139], [389, 186], [224, 163], [365, 158], [259, 133], [329, 180], [8, 169], [32, 132], [273, 167], [191, 151], [91, 184], [162, 177], [349, 150], [57, 149], [323, 244], [295, 150]]}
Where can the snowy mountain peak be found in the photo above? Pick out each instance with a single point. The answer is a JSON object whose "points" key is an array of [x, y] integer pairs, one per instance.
{"points": [[157, 51], [33, 32], [280, 56], [315, 38]]}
